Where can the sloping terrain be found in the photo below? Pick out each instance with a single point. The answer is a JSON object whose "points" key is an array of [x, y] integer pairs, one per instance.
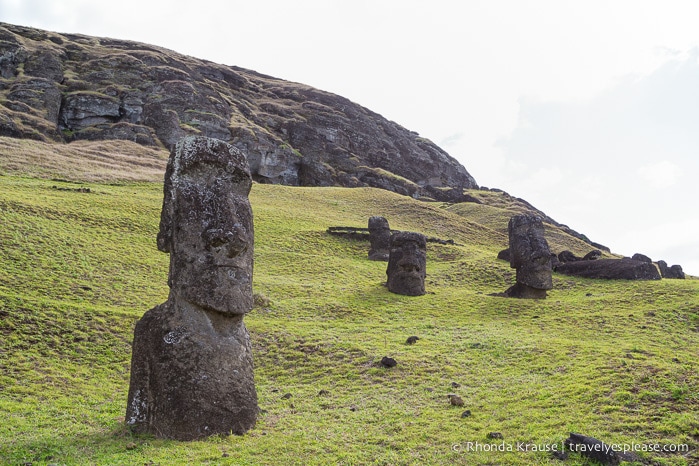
{"points": [[615, 360], [61, 88]]}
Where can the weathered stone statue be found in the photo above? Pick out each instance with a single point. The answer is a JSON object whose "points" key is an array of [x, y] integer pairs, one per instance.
{"points": [[407, 263], [670, 272], [530, 255], [380, 239], [191, 367]]}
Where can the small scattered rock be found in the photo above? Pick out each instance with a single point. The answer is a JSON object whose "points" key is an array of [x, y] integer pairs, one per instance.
{"points": [[466, 413], [323, 393], [412, 340], [455, 385], [495, 435], [455, 400], [388, 362], [560, 455], [225, 455], [286, 396], [675, 360], [588, 294], [353, 408]]}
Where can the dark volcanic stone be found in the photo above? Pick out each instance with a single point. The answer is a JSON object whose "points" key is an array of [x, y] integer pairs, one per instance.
{"points": [[530, 255], [412, 340], [554, 261], [676, 272], [592, 255], [380, 238], [504, 255], [567, 256], [642, 258], [407, 264], [191, 367], [611, 269], [388, 362], [670, 272], [519, 290], [592, 448]]}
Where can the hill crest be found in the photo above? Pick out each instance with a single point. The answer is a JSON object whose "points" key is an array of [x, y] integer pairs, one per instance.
{"points": [[62, 88]]}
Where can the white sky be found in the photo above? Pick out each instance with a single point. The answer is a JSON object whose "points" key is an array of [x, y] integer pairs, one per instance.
{"points": [[587, 109]]}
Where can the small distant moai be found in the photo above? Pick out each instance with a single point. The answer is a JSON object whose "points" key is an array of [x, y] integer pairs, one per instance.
{"points": [[191, 366], [530, 255], [407, 263], [380, 238]]}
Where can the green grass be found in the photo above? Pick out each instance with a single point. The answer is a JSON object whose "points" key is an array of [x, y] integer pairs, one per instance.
{"points": [[615, 360]]}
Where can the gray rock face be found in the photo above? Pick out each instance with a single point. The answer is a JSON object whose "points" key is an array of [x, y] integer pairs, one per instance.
{"points": [[530, 256], [84, 109], [407, 263], [191, 367], [380, 238], [293, 134]]}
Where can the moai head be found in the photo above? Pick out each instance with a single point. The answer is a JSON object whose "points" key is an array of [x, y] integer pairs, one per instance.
{"points": [[407, 263], [529, 252], [380, 238], [206, 225]]}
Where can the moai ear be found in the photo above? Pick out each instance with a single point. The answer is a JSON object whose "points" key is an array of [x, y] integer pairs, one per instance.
{"points": [[166, 214]]}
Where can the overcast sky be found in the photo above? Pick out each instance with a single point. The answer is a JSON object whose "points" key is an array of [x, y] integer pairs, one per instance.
{"points": [[587, 109]]}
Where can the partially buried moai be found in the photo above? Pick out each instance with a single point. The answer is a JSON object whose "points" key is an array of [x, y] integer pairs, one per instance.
{"points": [[530, 255], [407, 263], [380, 238], [191, 367]]}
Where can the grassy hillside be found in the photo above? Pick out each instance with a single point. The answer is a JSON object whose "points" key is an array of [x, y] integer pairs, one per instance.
{"points": [[615, 360]]}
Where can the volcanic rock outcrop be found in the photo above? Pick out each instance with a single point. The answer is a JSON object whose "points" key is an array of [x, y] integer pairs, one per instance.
{"points": [[407, 263], [66, 87], [191, 367], [530, 256]]}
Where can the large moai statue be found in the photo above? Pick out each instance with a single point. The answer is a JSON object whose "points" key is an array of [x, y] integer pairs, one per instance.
{"points": [[191, 367], [407, 263], [530, 255], [380, 239]]}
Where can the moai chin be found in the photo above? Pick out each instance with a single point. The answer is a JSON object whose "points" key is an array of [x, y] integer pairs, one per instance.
{"points": [[407, 263], [530, 255], [380, 238], [191, 366]]}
